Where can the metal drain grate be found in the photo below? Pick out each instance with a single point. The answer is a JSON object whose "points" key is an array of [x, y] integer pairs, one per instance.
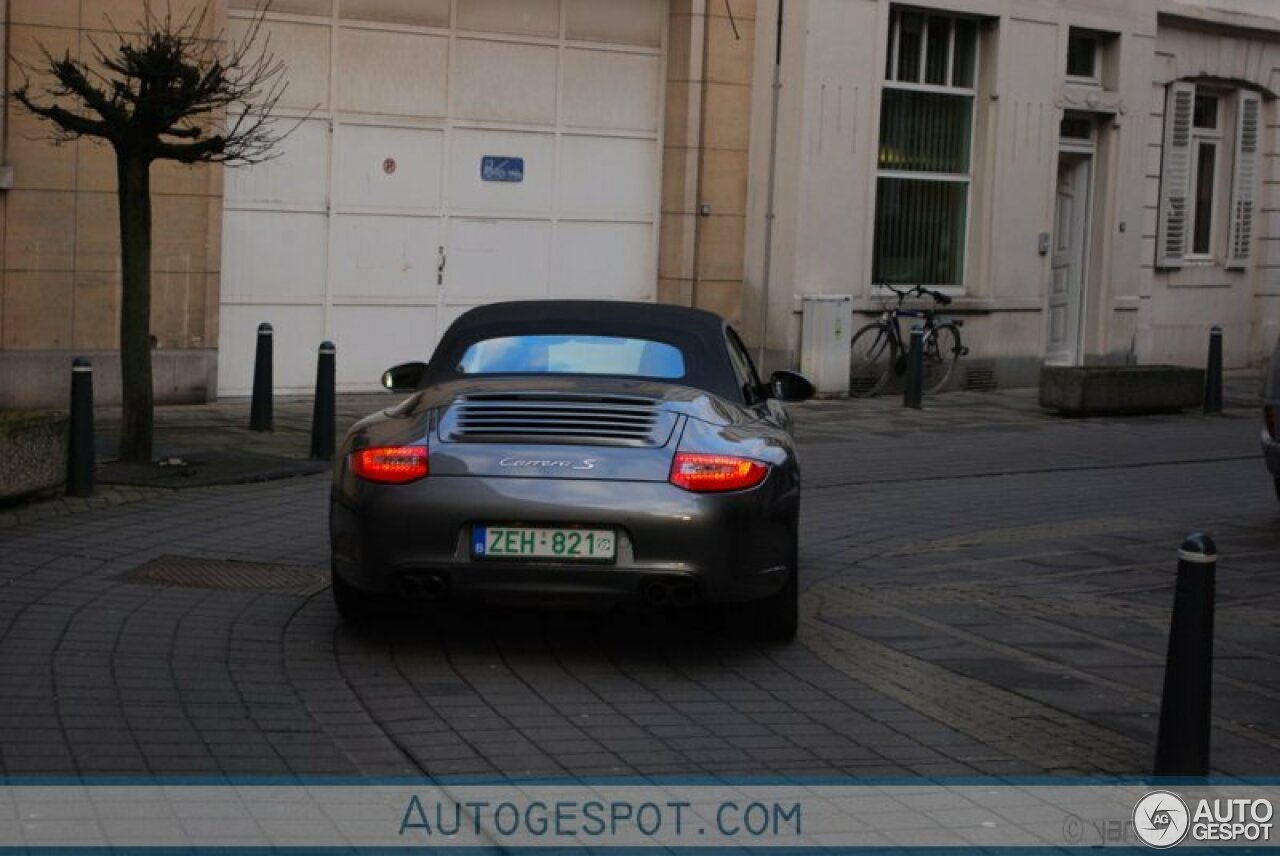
{"points": [[980, 379], [188, 572]]}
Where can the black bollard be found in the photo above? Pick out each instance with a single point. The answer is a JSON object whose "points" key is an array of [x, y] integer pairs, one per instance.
{"points": [[911, 393], [1213, 373], [1182, 743], [260, 416], [81, 462], [323, 410]]}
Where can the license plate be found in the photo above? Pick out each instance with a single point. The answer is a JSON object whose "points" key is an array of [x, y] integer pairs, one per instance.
{"points": [[522, 542]]}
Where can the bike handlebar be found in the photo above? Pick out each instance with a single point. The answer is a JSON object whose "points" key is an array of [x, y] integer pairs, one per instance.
{"points": [[938, 297]]}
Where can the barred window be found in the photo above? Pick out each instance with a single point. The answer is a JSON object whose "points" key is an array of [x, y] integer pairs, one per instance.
{"points": [[926, 135]]}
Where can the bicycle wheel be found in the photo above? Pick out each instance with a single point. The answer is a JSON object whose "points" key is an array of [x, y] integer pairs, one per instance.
{"points": [[872, 355], [941, 352]]}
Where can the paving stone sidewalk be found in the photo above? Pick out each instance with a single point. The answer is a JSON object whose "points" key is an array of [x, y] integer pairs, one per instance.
{"points": [[986, 591]]}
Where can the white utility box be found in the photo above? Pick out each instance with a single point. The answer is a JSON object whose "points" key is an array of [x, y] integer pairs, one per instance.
{"points": [[824, 341]]}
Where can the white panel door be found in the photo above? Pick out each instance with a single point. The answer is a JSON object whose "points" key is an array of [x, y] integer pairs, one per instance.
{"points": [[471, 193], [609, 260], [378, 224], [1070, 258], [496, 259], [606, 178], [296, 178], [380, 257], [403, 333], [297, 329], [386, 168]]}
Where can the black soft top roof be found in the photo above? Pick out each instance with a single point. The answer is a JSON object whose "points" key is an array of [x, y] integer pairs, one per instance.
{"points": [[698, 334]]}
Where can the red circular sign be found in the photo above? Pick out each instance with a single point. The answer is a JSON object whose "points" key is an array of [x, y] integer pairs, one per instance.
{"points": [[389, 166]]}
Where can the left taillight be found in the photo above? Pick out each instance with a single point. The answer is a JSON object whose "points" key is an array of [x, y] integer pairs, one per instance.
{"points": [[702, 473], [390, 464]]}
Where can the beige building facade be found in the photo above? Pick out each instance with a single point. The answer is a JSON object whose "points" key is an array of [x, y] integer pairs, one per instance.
{"points": [[1094, 181]]}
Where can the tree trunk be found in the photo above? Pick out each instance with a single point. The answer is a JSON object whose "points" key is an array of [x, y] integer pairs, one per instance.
{"points": [[134, 175]]}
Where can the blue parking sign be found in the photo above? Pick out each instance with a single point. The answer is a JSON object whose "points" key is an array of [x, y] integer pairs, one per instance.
{"points": [[501, 168]]}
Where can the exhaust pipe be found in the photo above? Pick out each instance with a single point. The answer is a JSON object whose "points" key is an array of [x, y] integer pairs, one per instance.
{"points": [[434, 587], [424, 586], [683, 594], [655, 593], [664, 593]]}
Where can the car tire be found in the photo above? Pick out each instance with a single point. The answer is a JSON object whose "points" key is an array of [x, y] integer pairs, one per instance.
{"points": [[775, 618], [354, 606]]}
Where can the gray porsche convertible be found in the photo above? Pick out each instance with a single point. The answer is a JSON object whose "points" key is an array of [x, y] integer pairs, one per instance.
{"points": [[555, 451]]}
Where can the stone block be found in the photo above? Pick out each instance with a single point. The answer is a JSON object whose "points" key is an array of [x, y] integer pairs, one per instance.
{"points": [[724, 181], [1120, 390], [727, 123], [33, 451], [720, 247], [731, 50]]}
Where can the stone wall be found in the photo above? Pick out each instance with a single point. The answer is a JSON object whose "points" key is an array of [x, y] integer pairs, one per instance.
{"points": [[708, 120], [59, 258]]}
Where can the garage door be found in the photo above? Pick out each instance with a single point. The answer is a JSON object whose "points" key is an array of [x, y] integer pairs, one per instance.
{"points": [[446, 153]]}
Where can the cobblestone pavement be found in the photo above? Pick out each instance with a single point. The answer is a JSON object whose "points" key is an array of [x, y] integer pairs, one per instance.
{"points": [[986, 590]]}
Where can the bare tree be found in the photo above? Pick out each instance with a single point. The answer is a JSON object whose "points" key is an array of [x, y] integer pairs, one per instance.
{"points": [[167, 92]]}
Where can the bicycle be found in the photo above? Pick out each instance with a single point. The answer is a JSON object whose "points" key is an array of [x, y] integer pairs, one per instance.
{"points": [[877, 351]]}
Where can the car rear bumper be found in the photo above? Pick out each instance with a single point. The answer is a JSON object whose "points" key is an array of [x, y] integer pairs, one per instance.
{"points": [[720, 548]]}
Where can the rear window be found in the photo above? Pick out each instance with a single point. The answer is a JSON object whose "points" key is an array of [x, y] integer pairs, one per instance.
{"points": [[573, 354]]}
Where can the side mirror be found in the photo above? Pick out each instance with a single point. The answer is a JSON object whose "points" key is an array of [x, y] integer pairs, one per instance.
{"points": [[403, 378], [790, 386]]}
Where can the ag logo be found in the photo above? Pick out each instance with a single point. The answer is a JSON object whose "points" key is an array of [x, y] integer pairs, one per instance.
{"points": [[1161, 819]]}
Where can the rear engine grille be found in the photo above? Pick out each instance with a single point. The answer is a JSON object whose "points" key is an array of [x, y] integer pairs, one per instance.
{"points": [[557, 418]]}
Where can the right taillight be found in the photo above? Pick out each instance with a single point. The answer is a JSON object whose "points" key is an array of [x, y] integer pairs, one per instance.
{"points": [[703, 473], [1269, 419], [390, 464]]}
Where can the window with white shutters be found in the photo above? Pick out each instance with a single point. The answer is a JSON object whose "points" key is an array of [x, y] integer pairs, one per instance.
{"points": [[1244, 179], [1175, 181], [1211, 131]]}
